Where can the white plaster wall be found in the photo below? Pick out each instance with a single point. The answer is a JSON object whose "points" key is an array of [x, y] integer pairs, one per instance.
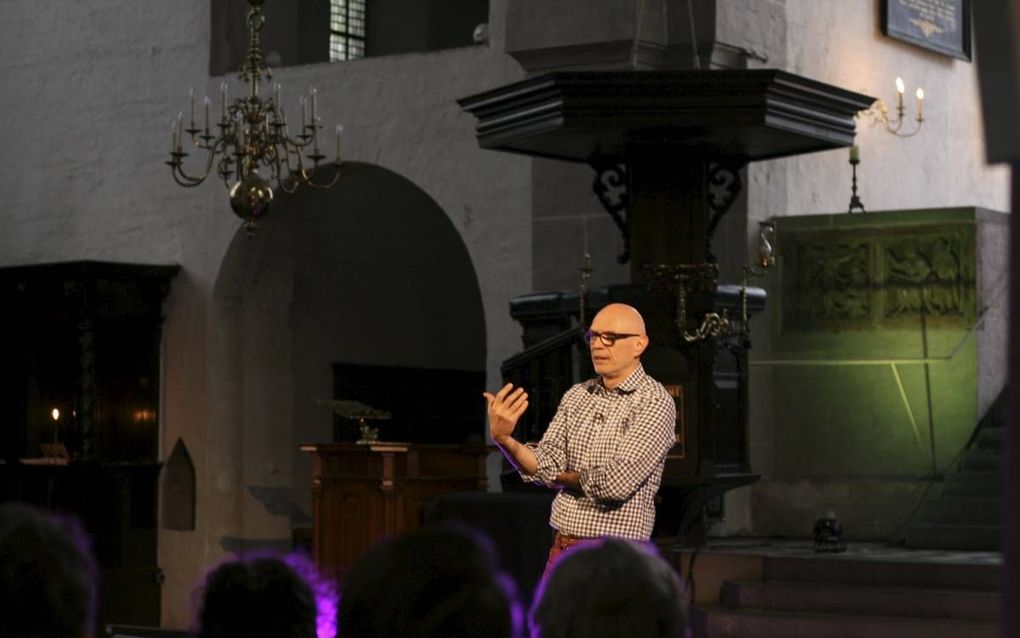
{"points": [[944, 165], [90, 90]]}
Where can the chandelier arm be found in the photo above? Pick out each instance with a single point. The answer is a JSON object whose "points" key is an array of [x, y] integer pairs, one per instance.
{"points": [[177, 166], [184, 180], [290, 190], [274, 165], [331, 183], [299, 142]]}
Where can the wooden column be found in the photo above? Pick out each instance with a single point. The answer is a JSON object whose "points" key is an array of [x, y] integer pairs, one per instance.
{"points": [[668, 217]]}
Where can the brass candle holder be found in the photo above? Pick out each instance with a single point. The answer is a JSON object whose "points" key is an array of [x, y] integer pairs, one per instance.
{"points": [[878, 113], [856, 205]]}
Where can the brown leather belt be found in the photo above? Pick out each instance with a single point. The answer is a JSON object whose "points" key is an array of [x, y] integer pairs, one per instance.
{"points": [[564, 541]]}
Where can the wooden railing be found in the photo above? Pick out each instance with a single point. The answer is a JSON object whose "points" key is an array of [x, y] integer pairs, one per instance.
{"points": [[546, 371]]}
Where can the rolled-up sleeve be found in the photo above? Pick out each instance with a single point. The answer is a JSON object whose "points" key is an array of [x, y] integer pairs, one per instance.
{"points": [[551, 451], [642, 450]]}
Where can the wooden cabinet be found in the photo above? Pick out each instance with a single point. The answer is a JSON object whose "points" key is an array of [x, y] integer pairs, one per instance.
{"points": [[81, 368], [363, 494]]}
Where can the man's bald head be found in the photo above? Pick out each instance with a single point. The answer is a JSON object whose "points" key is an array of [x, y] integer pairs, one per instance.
{"points": [[621, 318], [621, 340]]}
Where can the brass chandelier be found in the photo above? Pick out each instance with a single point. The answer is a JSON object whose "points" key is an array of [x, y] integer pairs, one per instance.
{"points": [[254, 150]]}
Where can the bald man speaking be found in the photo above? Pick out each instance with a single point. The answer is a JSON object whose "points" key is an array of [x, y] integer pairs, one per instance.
{"points": [[605, 448]]}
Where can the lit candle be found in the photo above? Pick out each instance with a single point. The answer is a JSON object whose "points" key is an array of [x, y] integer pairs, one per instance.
{"points": [[206, 103], [177, 132], [920, 104], [899, 92], [55, 413], [855, 153], [339, 130], [223, 94]]}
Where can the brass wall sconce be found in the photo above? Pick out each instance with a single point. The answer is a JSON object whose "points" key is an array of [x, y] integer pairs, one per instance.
{"points": [[704, 276], [686, 278], [878, 113]]}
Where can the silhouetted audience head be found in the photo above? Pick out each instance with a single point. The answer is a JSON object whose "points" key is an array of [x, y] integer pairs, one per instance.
{"points": [[262, 596], [439, 583], [606, 589], [48, 577]]}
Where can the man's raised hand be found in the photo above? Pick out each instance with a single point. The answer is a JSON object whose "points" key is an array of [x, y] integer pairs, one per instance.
{"points": [[505, 408]]}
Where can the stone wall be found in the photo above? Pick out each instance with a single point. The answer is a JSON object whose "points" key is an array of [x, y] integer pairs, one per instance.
{"points": [[90, 92], [92, 88]]}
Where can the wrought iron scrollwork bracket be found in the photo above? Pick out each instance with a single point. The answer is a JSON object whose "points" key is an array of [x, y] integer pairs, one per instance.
{"points": [[724, 185], [611, 187]]}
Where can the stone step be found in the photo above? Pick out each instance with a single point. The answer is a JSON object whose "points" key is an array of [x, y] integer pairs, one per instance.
{"points": [[961, 537], [973, 483], [849, 569], [981, 459], [991, 438], [719, 622], [859, 599], [956, 510]]}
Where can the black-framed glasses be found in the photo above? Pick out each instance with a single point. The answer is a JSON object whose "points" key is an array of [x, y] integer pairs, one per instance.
{"points": [[607, 338]]}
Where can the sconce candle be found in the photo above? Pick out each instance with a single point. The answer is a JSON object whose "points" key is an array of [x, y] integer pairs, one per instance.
{"points": [[920, 104], [855, 153]]}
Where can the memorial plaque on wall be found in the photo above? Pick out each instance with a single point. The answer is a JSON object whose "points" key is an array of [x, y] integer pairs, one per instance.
{"points": [[938, 25]]}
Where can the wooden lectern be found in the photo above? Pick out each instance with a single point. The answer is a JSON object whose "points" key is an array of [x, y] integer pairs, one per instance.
{"points": [[363, 494]]}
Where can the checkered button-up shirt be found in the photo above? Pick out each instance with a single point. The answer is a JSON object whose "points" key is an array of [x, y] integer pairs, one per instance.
{"points": [[617, 440]]}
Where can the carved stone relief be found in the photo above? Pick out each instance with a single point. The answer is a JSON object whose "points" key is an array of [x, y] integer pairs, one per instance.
{"points": [[861, 278], [833, 281], [923, 275]]}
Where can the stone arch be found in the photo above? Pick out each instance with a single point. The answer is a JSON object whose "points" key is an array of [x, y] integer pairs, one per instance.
{"points": [[371, 272]]}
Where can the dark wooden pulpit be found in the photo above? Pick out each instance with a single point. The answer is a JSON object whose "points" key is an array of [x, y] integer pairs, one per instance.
{"points": [[674, 143], [363, 494]]}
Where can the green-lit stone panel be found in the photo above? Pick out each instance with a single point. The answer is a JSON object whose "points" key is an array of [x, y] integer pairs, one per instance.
{"points": [[870, 354]]}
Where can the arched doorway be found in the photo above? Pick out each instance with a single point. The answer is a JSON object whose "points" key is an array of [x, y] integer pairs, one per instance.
{"points": [[366, 285]]}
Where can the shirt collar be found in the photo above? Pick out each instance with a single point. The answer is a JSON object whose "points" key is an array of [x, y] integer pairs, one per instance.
{"points": [[628, 386]]}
